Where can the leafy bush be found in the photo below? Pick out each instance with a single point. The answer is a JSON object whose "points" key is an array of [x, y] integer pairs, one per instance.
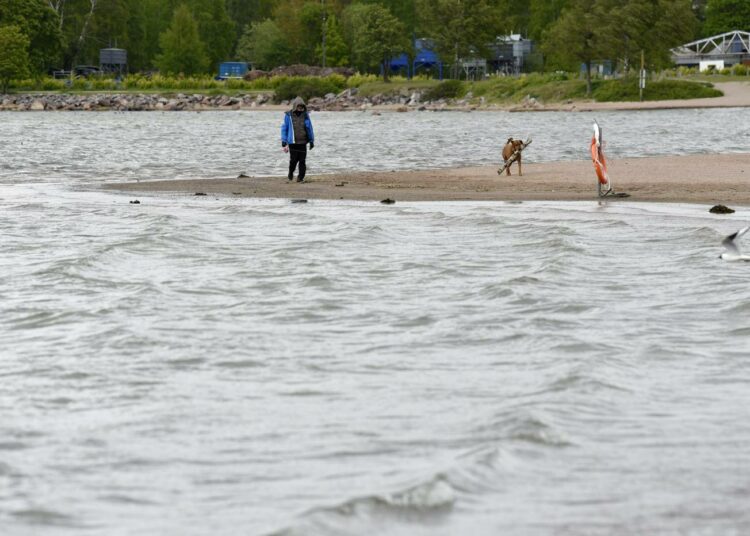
{"points": [[104, 84], [51, 84], [450, 89], [359, 80], [627, 90], [550, 87], [307, 87]]}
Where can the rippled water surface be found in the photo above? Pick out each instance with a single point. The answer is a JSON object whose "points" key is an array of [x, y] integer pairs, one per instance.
{"points": [[88, 146], [192, 366]]}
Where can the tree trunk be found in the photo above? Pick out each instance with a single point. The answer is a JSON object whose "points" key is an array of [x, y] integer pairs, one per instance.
{"points": [[588, 78], [82, 37], [386, 67], [59, 7]]}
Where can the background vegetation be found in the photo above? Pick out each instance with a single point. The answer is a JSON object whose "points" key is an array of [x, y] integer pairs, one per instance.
{"points": [[186, 39], [269, 33]]}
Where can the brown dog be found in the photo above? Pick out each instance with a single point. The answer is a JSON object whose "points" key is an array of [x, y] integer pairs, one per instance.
{"points": [[513, 146]]}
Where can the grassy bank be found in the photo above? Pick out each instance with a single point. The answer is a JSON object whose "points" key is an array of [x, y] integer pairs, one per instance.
{"points": [[545, 88], [561, 88]]}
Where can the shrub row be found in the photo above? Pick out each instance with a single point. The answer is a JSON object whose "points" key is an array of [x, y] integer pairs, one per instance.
{"points": [[164, 83], [551, 87], [627, 90], [735, 70], [308, 87]]}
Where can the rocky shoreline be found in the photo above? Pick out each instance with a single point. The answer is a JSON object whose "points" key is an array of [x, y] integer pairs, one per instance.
{"points": [[347, 100]]}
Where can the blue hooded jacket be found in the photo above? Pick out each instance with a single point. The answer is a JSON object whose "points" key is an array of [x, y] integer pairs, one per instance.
{"points": [[287, 129]]}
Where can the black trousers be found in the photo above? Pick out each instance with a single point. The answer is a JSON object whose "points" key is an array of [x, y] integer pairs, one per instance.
{"points": [[297, 155]]}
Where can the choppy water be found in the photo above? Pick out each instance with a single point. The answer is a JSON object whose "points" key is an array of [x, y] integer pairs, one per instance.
{"points": [[89, 146], [194, 366]]}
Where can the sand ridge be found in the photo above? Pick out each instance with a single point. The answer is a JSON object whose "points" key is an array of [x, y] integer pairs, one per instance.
{"points": [[710, 178]]}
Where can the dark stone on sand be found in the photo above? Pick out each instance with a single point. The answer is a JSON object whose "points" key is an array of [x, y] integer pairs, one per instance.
{"points": [[339, 184], [388, 201], [299, 200], [721, 209], [136, 202], [199, 193], [243, 176], [236, 193]]}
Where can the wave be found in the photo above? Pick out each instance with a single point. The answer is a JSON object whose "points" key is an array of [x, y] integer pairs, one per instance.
{"points": [[424, 503]]}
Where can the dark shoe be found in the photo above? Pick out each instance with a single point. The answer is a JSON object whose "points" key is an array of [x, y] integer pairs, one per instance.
{"points": [[300, 180], [290, 179]]}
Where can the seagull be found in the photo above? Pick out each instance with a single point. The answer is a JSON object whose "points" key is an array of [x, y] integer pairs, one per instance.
{"points": [[733, 251]]}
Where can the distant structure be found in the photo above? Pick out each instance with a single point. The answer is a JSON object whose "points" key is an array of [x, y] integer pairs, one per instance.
{"points": [[501, 58], [510, 54], [113, 61], [473, 68], [425, 59], [600, 68], [233, 69], [719, 51]]}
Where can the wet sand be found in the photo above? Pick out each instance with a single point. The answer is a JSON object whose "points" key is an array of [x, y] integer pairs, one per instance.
{"points": [[710, 179]]}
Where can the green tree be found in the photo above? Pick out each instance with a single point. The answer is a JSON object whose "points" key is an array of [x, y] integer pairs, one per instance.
{"points": [[157, 20], [699, 8], [676, 24], [40, 24], [351, 20], [181, 45], [337, 53], [216, 29], [264, 45], [245, 12], [460, 28], [648, 26], [542, 13], [515, 15], [403, 10], [726, 16], [381, 36], [577, 38], [301, 22], [138, 59], [14, 60], [108, 27]]}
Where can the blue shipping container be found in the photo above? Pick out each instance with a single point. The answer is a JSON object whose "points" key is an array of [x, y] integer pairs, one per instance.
{"points": [[232, 69]]}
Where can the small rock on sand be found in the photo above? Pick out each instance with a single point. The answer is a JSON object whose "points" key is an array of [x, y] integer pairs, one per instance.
{"points": [[721, 209], [388, 201]]}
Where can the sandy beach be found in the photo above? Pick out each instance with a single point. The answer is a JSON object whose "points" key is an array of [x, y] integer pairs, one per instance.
{"points": [[710, 179]]}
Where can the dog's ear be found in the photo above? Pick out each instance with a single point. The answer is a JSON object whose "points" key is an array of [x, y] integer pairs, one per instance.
{"points": [[510, 140]]}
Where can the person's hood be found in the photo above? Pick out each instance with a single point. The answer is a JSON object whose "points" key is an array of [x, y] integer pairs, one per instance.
{"points": [[296, 102]]}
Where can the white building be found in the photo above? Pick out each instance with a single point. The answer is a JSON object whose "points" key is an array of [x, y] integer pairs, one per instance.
{"points": [[726, 49]]}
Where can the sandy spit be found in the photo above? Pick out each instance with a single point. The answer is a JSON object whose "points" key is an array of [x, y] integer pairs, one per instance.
{"points": [[711, 179]]}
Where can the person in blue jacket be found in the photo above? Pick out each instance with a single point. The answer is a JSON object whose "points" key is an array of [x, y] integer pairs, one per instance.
{"points": [[296, 133]]}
